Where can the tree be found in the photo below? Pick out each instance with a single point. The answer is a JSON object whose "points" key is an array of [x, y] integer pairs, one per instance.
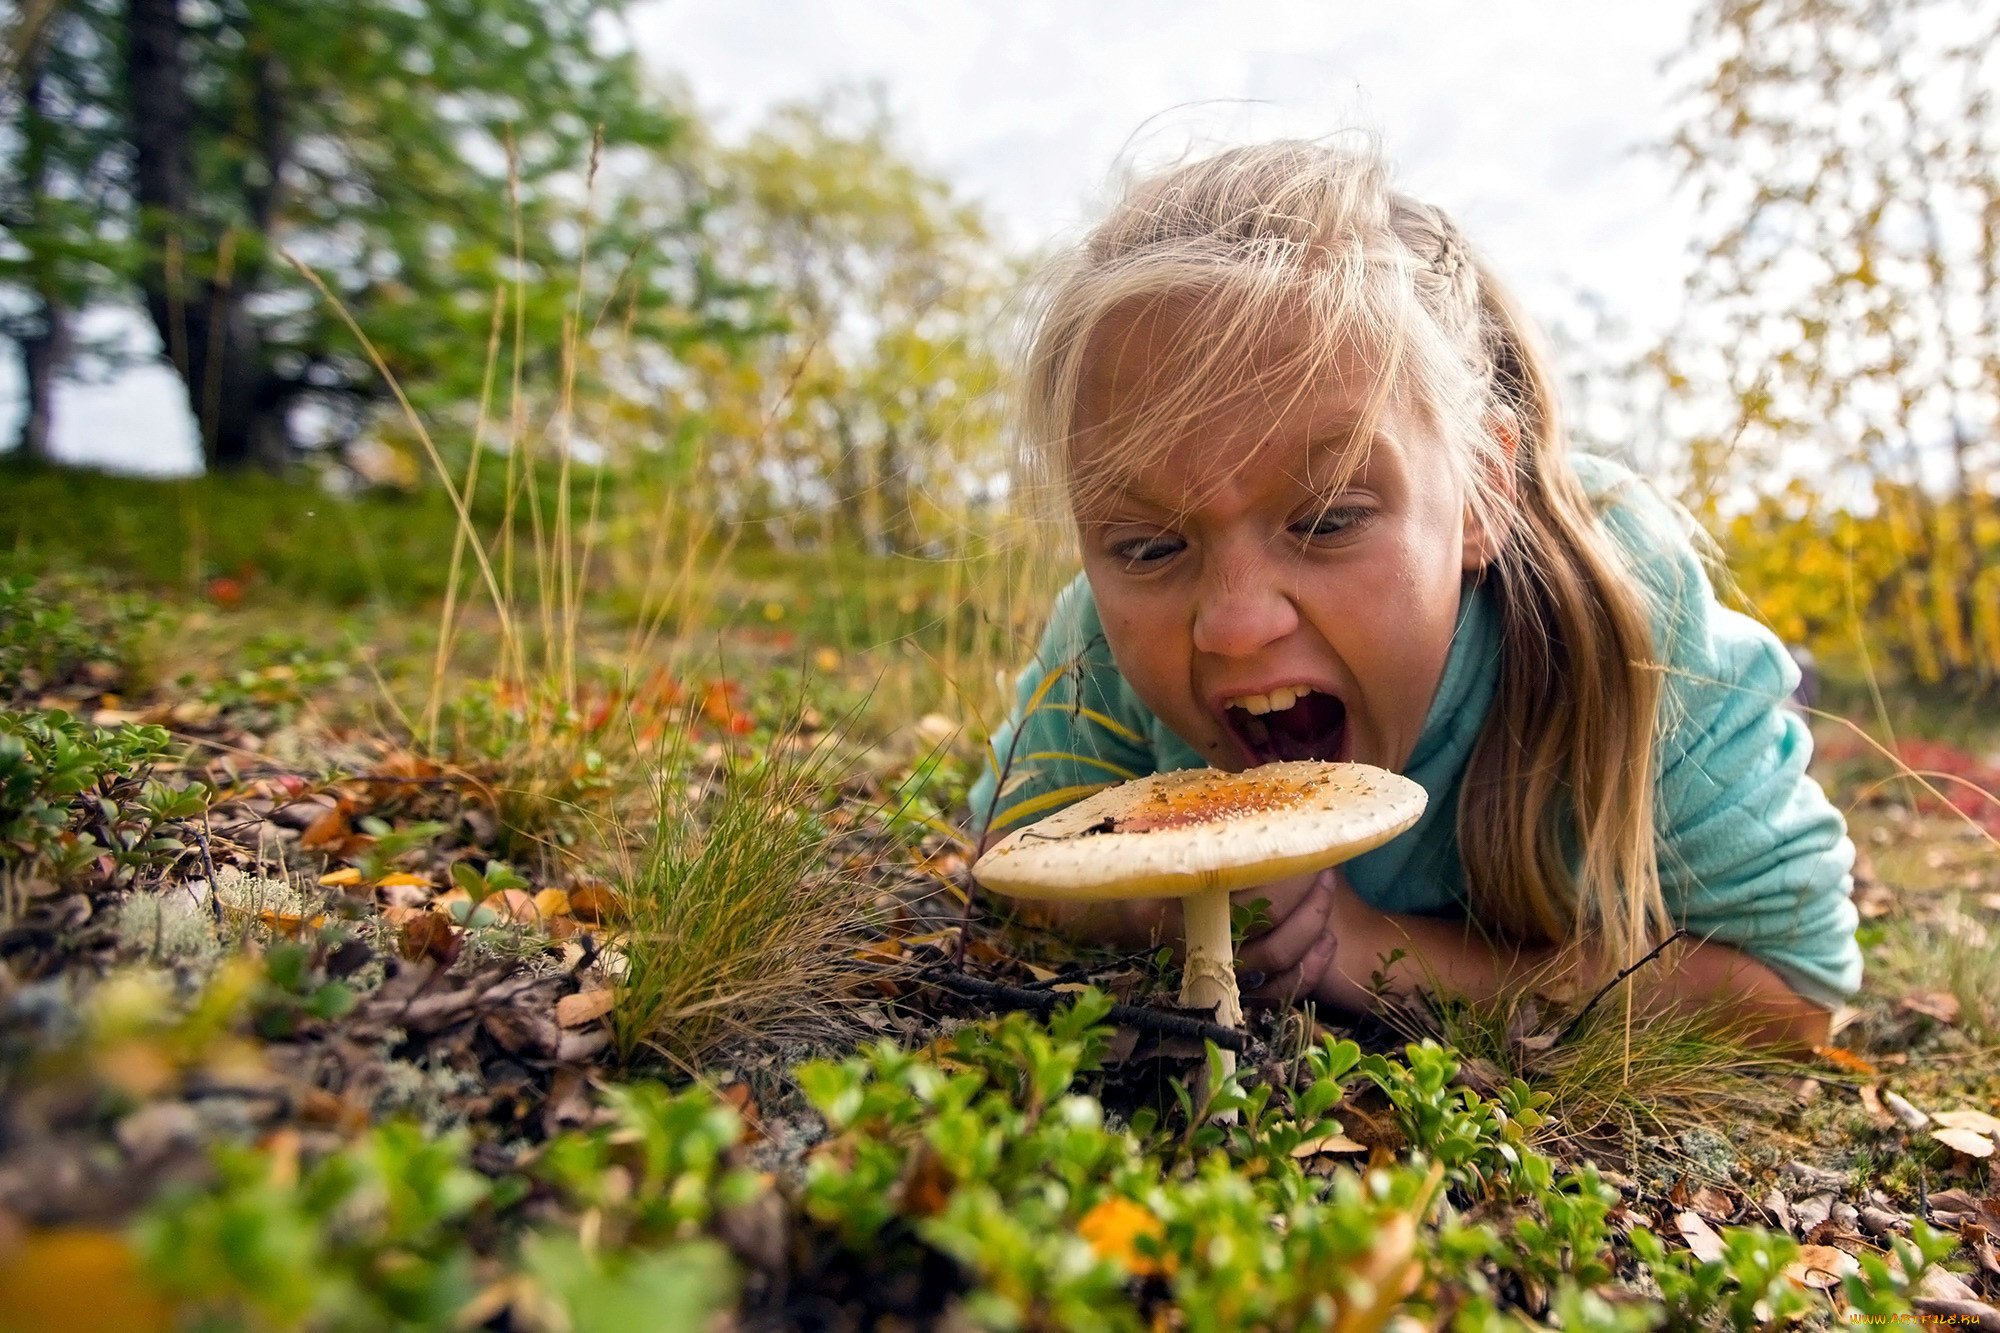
{"points": [[63, 201], [1848, 291], [882, 385], [418, 157]]}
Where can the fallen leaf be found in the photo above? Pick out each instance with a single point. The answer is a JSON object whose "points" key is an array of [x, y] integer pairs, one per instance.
{"points": [[1871, 1102], [1113, 1227], [1334, 1143], [1941, 1284], [514, 904], [320, 1107], [346, 877], [1970, 1143], [1821, 1266], [79, 1279], [402, 879], [329, 829], [596, 903], [1953, 1203], [1713, 1204], [739, 1096], [928, 1184], [583, 1007], [552, 903], [1901, 1108], [289, 925], [1979, 1122], [522, 1031], [1842, 1058], [1939, 1004], [1700, 1237], [427, 935]]}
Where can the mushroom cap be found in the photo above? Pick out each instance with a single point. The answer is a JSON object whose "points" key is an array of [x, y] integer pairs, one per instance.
{"points": [[1172, 834]]}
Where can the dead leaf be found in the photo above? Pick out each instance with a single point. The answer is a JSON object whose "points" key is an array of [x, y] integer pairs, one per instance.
{"points": [[927, 1184], [1947, 1206], [320, 1107], [346, 877], [588, 1006], [522, 1031], [1779, 1208], [1900, 1107], [1871, 1102], [1821, 1267], [596, 903], [577, 1046], [1113, 1227], [1979, 1122], [1843, 1059], [1939, 1004], [329, 830], [1329, 1143], [513, 904], [550, 903], [402, 879], [1713, 1204], [1941, 1284], [1965, 1141], [1700, 1237], [1810, 1212], [292, 927], [80, 1279], [427, 935]]}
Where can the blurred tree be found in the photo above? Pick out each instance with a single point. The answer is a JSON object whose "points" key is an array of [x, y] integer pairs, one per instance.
{"points": [[417, 157], [1848, 289], [881, 390], [63, 205]]}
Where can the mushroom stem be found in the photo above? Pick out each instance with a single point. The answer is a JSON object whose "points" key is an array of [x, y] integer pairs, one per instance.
{"points": [[1208, 976]]}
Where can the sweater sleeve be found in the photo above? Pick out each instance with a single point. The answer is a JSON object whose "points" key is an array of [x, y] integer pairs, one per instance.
{"points": [[1075, 725], [1752, 853]]}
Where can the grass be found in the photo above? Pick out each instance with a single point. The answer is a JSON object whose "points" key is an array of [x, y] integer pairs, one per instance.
{"points": [[744, 920], [1613, 1078]]}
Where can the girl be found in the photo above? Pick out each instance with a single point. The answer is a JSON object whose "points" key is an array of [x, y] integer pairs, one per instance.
{"points": [[1313, 459]]}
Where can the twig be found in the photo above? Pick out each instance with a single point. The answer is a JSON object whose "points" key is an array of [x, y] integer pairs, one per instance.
{"points": [[1612, 984], [1156, 1021], [208, 864]]}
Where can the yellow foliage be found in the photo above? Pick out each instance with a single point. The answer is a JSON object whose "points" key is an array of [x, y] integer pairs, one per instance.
{"points": [[1901, 583]]}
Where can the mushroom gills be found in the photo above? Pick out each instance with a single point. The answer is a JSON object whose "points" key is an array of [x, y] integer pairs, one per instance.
{"points": [[1314, 727]]}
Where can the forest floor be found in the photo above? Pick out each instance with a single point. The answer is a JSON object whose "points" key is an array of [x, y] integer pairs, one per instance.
{"points": [[334, 996]]}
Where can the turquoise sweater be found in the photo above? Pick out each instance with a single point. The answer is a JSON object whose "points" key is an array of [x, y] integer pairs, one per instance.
{"points": [[1751, 852]]}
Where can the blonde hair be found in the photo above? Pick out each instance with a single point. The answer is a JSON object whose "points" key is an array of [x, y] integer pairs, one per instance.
{"points": [[1555, 817]]}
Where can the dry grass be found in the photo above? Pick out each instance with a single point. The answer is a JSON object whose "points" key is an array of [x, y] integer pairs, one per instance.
{"points": [[742, 917], [1614, 1074]]}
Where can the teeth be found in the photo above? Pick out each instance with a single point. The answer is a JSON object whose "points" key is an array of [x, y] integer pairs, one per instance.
{"points": [[1277, 701]]}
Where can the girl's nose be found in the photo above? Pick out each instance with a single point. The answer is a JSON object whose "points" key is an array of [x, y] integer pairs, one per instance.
{"points": [[1238, 615]]}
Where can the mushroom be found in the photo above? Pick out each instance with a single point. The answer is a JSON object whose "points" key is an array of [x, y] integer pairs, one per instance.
{"points": [[1198, 834]]}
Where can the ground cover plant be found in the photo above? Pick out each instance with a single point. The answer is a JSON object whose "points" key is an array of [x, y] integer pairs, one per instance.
{"points": [[309, 1028]]}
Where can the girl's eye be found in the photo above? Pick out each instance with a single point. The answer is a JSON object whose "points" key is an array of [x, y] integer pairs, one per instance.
{"points": [[1330, 522], [1143, 551]]}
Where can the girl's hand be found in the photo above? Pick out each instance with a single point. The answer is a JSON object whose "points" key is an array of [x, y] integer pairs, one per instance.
{"points": [[1293, 951]]}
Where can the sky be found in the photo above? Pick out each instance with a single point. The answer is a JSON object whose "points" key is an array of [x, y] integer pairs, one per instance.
{"points": [[1528, 123]]}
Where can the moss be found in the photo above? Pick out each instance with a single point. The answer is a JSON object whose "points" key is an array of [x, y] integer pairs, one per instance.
{"points": [[172, 927]]}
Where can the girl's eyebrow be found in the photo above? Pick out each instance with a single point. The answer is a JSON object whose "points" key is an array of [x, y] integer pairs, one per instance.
{"points": [[1325, 453]]}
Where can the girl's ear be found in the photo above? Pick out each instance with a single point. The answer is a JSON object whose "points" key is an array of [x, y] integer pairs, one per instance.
{"points": [[1483, 546]]}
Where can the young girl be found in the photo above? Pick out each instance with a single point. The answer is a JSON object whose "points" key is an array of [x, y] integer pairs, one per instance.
{"points": [[1312, 456]]}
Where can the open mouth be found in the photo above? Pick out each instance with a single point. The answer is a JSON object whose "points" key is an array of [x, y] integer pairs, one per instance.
{"points": [[1313, 727]]}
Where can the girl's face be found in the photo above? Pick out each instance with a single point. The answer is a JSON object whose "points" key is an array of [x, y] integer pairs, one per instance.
{"points": [[1259, 612]]}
